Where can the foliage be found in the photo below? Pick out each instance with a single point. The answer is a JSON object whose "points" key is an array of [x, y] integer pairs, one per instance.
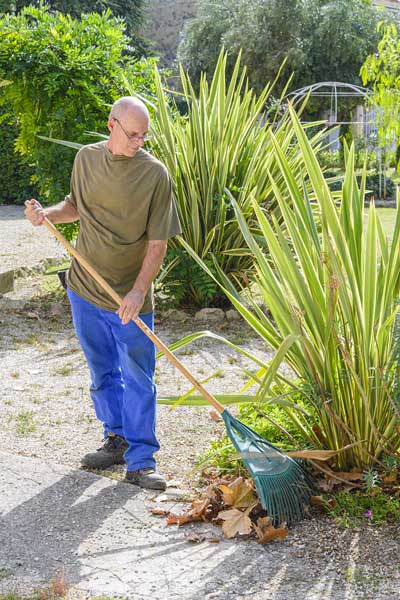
{"points": [[64, 73], [381, 72], [370, 479], [331, 288], [365, 154], [15, 173], [130, 10], [187, 281], [377, 186], [330, 159], [385, 189], [321, 40], [272, 422], [367, 151], [351, 509], [221, 142]]}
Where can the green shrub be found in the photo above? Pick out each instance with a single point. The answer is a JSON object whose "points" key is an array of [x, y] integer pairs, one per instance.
{"points": [[320, 40], [330, 159], [131, 10], [221, 143], [183, 280], [335, 182], [331, 284], [63, 74], [15, 171], [277, 427], [372, 185]]}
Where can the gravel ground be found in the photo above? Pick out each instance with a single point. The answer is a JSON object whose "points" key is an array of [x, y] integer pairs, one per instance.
{"points": [[47, 413], [21, 245], [46, 405]]}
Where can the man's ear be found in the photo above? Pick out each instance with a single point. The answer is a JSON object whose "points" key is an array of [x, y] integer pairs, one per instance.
{"points": [[110, 124]]}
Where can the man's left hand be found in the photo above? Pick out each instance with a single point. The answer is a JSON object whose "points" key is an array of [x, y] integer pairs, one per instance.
{"points": [[130, 306]]}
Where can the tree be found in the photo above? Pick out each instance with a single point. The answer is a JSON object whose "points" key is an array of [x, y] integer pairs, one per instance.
{"points": [[381, 71], [63, 75], [321, 40], [130, 10]]}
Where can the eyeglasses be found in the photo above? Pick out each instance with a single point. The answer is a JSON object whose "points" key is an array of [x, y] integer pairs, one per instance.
{"points": [[134, 137]]}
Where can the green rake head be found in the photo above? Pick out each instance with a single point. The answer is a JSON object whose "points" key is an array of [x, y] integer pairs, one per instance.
{"points": [[284, 488]]}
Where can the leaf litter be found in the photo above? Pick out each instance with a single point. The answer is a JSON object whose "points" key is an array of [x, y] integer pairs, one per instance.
{"points": [[235, 505]]}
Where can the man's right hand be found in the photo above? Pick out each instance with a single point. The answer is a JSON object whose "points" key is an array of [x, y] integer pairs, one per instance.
{"points": [[34, 212]]}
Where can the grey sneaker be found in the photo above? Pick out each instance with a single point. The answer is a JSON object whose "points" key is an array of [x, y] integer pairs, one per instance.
{"points": [[110, 453], [146, 478]]}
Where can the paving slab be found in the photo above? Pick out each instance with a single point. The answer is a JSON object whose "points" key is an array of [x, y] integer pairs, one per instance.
{"points": [[101, 532]]}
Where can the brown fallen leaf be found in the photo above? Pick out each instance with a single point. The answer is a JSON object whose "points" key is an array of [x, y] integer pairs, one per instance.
{"points": [[319, 434], [264, 522], [161, 512], [235, 521], [215, 416], [239, 493], [214, 540], [348, 476], [320, 501], [332, 479], [267, 533], [199, 505], [212, 492], [174, 519], [320, 455], [390, 478], [313, 454], [195, 513]]}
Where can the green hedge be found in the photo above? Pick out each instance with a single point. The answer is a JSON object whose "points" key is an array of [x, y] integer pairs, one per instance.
{"points": [[15, 172]]}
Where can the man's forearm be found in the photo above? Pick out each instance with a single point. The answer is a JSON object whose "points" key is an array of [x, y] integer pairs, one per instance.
{"points": [[63, 212], [151, 265]]}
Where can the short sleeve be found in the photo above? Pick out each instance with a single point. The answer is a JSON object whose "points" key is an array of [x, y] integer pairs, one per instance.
{"points": [[163, 220]]}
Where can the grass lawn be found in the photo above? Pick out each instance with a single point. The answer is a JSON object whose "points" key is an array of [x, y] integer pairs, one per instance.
{"points": [[387, 217]]}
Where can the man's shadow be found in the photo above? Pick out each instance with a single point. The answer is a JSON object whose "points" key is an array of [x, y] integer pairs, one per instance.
{"points": [[43, 534]]}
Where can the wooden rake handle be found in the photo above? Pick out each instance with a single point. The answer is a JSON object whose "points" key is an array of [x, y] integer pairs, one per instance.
{"points": [[146, 330]]}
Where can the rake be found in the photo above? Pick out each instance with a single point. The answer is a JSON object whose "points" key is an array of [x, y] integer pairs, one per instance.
{"points": [[283, 486]]}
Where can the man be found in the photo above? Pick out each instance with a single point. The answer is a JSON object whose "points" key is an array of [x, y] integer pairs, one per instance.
{"points": [[122, 196]]}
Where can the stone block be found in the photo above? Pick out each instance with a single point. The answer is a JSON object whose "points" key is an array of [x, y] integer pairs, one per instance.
{"points": [[210, 314], [233, 315], [6, 282]]}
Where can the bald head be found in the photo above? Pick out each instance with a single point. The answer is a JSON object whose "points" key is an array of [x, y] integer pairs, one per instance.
{"points": [[129, 125], [128, 106]]}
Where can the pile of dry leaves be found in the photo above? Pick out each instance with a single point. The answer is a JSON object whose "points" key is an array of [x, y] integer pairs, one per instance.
{"points": [[235, 504]]}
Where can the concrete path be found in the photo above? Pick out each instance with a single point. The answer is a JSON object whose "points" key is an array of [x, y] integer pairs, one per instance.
{"points": [[104, 536]]}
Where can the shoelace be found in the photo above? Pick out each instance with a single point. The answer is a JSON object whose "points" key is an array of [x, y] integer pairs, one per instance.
{"points": [[110, 443]]}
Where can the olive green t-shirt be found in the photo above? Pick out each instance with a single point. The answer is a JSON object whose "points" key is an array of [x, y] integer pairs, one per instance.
{"points": [[122, 203]]}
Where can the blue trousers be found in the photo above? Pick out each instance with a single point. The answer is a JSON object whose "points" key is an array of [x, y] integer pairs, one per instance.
{"points": [[121, 360]]}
